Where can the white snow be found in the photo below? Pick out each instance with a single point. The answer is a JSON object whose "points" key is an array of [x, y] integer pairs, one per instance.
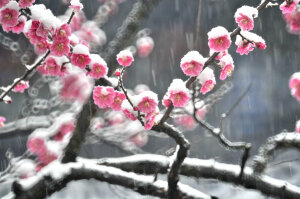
{"points": [[81, 49], [252, 36], [192, 56], [246, 10], [97, 59], [178, 85], [12, 5], [206, 74], [216, 32]]}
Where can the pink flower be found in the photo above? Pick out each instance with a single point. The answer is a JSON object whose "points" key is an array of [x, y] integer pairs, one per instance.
{"points": [[47, 156], [144, 46], [207, 80], [9, 17], [63, 32], [26, 3], [3, 3], [226, 66], [166, 102], [36, 145], [52, 67], [297, 129], [2, 120], [60, 47], [76, 5], [98, 67], [288, 6], [243, 46], [80, 56], [220, 54], [118, 100], [128, 110], [293, 21], [201, 113], [103, 96], [219, 39], [18, 28], [76, 86], [185, 121], [244, 17], [64, 130], [125, 58], [21, 86], [41, 46], [146, 101], [192, 63], [294, 85], [179, 94]]}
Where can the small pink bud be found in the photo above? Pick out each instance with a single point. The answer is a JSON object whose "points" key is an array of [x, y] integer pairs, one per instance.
{"points": [[135, 108], [117, 73]]}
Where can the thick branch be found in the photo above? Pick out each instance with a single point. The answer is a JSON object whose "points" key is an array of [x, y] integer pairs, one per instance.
{"points": [[48, 181], [280, 141], [192, 167]]}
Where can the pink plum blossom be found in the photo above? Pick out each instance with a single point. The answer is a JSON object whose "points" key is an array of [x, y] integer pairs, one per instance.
{"points": [[192, 63], [64, 130], [47, 156], [207, 80], [294, 85], [80, 56], [243, 46], [26, 3], [201, 112], [220, 54], [226, 66], [179, 94], [103, 96], [9, 15], [3, 3], [293, 21], [118, 100], [144, 46], [146, 101], [41, 46], [36, 144], [60, 47], [125, 58], [98, 67], [128, 110], [244, 17], [21, 86], [219, 39], [63, 32], [52, 67], [18, 28], [2, 120], [288, 6]]}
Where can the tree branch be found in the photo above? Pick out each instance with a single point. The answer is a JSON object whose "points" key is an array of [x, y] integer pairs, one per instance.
{"points": [[281, 141], [192, 167]]}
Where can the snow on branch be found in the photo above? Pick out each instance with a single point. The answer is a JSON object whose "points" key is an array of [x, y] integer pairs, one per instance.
{"points": [[281, 141], [56, 176], [211, 169]]}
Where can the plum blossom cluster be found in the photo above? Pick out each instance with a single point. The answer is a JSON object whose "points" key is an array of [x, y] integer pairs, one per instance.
{"points": [[48, 144], [177, 94], [291, 15], [294, 85]]}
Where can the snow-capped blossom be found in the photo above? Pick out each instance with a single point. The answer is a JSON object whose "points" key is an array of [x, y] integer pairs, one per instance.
{"points": [[76, 86], [220, 54], [243, 46], [226, 66], [63, 32], [146, 101], [258, 41], [201, 112], [64, 130], [192, 63], [294, 85], [103, 96], [207, 80], [144, 46], [47, 156], [21, 86], [36, 144], [219, 39], [76, 5], [41, 46], [18, 28], [26, 3], [166, 101], [98, 67], [60, 47], [128, 110], [150, 119], [244, 17], [3, 3], [118, 100], [297, 129], [2, 120], [186, 121], [179, 94], [125, 58], [9, 14], [7, 99], [81, 56], [288, 6], [24, 168], [141, 88]]}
